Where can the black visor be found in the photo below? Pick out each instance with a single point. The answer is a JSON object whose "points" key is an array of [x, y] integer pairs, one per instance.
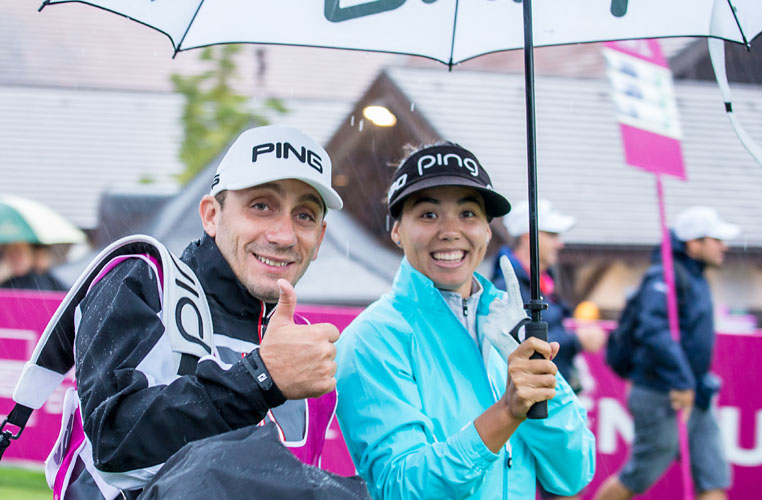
{"points": [[444, 165]]}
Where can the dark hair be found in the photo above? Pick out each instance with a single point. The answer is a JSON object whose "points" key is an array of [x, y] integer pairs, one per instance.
{"points": [[408, 150], [220, 197]]}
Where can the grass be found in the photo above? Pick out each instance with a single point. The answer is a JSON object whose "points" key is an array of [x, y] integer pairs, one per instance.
{"points": [[23, 484]]}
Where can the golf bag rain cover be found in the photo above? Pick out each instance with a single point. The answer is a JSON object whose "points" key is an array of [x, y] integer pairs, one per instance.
{"points": [[249, 463]]}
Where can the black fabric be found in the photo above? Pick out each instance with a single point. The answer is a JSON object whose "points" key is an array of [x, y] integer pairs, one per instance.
{"points": [[19, 415], [133, 424], [225, 468], [18, 418], [82, 485], [444, 165]]}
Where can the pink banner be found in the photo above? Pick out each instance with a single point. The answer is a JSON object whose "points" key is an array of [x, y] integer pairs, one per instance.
{"points": [[23, 317], [652, 152], [643, 94], [647, 50]]}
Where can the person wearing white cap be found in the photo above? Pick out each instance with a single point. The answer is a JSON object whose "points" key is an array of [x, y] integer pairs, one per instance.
{"points": [[142, 396], [551, 225], [667, 375]]}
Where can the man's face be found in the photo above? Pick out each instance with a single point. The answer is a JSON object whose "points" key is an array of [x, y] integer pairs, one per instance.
{"points": [[444, 233], [266, 233], [710, 251], [548, 244]]}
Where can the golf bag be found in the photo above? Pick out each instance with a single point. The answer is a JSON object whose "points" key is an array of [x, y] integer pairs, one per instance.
{"points": [[188, 323]]}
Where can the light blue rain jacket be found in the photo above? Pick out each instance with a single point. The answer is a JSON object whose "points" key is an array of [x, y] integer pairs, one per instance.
{"points": [[412, 380]]}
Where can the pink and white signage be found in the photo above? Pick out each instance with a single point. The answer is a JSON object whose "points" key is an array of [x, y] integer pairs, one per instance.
{"points": [[23, 316], [646, 108]]}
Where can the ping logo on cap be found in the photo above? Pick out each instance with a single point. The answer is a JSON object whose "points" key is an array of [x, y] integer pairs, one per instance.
{"points": [[283, 150], [443, 160], [396, 186]]}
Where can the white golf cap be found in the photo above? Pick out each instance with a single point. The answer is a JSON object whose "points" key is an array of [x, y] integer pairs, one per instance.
{"points": [[272, 153], [701, 222], [549, 219]]}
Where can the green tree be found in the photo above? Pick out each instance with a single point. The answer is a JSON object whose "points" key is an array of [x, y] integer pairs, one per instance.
{"points": [[214, 113]]}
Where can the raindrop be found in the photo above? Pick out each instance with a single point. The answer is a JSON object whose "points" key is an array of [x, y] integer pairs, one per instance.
{"points": [[352, 121], [359, 125], [412, 107]]}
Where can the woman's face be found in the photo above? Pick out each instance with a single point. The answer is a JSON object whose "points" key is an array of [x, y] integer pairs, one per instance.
{"points": [[444, 233]]}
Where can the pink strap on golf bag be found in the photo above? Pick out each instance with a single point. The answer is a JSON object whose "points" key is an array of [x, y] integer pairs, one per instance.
{"points": [[72, 452]]}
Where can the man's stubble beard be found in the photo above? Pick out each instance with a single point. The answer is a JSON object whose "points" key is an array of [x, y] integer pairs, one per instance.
{"points": [[272, 294]]}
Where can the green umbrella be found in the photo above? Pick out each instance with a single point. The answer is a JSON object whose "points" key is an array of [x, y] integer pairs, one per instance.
{"points": [[22, 219]]}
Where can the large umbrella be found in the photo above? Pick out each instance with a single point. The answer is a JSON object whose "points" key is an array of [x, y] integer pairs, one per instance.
{"points": [[23, 219], [449, 31]]}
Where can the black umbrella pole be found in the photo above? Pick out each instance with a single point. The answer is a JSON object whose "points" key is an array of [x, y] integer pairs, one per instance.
{"points": [[536, 327]]}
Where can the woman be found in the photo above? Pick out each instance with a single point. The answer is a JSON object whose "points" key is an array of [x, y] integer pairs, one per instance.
{"points": [[428, 406]]}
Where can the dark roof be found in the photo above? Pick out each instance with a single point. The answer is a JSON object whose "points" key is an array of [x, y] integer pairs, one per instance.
{"points": [[580, 158]]}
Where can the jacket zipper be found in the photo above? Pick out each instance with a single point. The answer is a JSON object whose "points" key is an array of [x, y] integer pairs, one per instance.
{"points": [[507, 448]]}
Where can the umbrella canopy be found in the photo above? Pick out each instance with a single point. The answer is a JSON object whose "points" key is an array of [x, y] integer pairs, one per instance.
{"points": [[445, 30], [22, 219]]}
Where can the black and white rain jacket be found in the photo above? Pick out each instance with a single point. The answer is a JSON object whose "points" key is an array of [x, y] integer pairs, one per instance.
{"points": [[136, 411]]}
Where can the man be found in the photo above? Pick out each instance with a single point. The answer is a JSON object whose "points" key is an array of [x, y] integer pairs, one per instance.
{"points": [[264, 221], [435, 390], [669, 376], [551, 225]]}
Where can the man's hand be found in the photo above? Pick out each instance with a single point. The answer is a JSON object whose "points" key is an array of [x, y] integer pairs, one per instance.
{"points": [[300, 358], [530, 380], [682, 400], [591, 337]]}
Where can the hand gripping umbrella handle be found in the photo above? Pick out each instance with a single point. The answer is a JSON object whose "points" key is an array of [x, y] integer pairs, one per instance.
{"points": [[537, 329]]}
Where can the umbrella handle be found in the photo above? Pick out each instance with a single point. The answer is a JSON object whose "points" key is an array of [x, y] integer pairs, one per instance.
{"points": [[538, 329]]}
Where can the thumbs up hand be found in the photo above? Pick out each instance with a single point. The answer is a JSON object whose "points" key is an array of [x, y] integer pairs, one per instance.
{"points": [[300, 358]]}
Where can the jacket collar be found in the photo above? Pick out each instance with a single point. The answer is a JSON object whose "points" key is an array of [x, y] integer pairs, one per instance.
{"points": [[411, 285], [219, 282]]}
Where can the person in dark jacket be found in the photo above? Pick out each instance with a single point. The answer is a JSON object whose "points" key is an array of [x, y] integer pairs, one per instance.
{"points": [[29, 268], [670, 375], [552, 224], [264, 221]]}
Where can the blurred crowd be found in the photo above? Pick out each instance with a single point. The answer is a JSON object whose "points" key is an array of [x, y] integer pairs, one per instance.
{"points": [[27, 266]]}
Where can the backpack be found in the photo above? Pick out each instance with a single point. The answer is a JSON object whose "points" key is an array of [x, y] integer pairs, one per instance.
{"points": [[622, 342], [185, 315]]}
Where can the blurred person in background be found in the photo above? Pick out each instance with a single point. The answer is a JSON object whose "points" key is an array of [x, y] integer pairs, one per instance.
{"points": [[27, 267], [551, 226], [435, 387], [668, 375]]}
